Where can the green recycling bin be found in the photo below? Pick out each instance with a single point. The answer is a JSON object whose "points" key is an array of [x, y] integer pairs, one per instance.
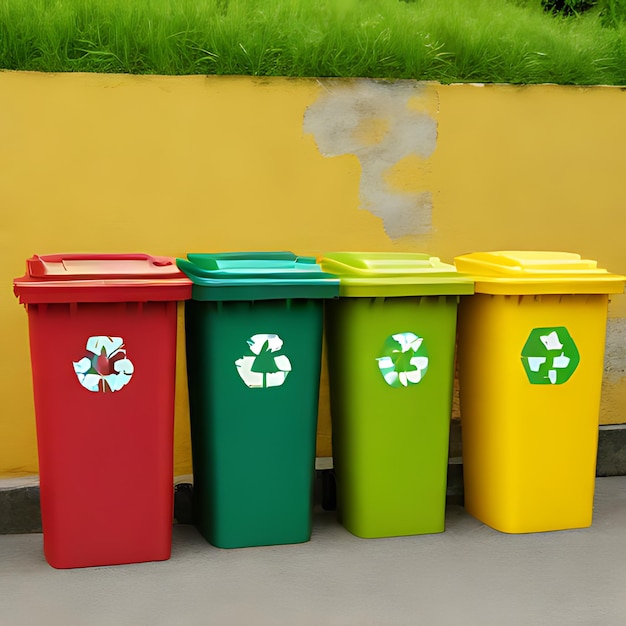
{"points": [[391, 339], [253, 337]]}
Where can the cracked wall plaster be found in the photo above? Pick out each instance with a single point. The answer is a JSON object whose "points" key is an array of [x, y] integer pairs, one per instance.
{"points": [[615, 352], [375, 122]]}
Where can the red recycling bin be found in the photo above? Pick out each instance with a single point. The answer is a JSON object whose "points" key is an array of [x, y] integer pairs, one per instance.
{"points": [[103, 350]]}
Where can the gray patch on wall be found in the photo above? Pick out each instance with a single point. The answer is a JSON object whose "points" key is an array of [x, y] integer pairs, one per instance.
{"points": [[334, 120], [615, 352]]}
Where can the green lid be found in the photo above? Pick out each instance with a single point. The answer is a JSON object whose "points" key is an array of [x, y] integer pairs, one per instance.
{"points": [[515, 272], [395, 274], [256, 276]]}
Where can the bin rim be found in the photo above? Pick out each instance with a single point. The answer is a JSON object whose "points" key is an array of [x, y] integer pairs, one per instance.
{"points": [[538, 272], [97, 277], [372, 274], [262, 275]]}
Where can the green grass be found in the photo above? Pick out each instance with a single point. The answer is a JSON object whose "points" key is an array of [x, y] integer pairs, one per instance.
{"points": [[500, 41]]}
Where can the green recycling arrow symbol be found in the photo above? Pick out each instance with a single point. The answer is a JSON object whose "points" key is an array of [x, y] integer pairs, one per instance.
{"points": [[404, 361], [550, 356]]}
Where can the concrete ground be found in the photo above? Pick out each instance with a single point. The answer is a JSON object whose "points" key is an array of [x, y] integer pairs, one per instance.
{"points": [[470, 575]]}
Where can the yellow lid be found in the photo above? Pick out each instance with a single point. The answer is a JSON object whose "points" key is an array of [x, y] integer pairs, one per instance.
{"points": [[537, 272]]}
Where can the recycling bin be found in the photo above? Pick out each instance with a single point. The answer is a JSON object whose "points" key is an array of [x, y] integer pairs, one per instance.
{"points": [[391, 343], [530, 351], [254, 335], [103, 344]]}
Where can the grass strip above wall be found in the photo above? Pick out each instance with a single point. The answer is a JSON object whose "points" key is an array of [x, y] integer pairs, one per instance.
{"points": [[497, 41]]}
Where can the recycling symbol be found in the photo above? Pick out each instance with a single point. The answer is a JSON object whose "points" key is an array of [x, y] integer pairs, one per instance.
{"points": [[404, 361], [550, 356], [105, 366], [265, 367]]}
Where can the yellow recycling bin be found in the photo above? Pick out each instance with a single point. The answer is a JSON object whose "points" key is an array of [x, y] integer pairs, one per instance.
{"points": [[530, 357]]}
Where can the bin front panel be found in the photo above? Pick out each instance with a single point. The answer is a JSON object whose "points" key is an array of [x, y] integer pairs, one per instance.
{"points": [[103, 377], [530, 431], [253, 370], [391, 410]]}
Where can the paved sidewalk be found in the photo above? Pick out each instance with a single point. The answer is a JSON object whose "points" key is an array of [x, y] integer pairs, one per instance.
{"points": [[470, 575]]}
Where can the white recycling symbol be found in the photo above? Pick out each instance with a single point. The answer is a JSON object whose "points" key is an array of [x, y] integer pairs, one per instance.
{"points": [[551, 342], [264, 368], [405, 360], [105, 367]]}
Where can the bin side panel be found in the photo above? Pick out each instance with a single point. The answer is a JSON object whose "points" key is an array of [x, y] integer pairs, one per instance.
{"points": [[254, 371], [529, 449], [106, 459], [390, 443]]}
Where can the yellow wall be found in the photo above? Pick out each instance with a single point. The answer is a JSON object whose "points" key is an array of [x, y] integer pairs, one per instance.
{"points": [[168, 165]]}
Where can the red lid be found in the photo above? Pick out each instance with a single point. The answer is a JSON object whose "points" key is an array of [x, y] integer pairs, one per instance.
{"points": [[101, 278]]}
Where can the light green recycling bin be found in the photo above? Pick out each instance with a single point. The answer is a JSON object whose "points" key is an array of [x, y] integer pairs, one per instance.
{"points": [[391, 338]]}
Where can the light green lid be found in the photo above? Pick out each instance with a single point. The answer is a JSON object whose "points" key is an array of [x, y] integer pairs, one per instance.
{"points": [[256, 276], [516, 272], [376, 274]]}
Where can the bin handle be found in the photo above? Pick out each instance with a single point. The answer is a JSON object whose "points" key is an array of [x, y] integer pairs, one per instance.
{"points": [[36, 265]]}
